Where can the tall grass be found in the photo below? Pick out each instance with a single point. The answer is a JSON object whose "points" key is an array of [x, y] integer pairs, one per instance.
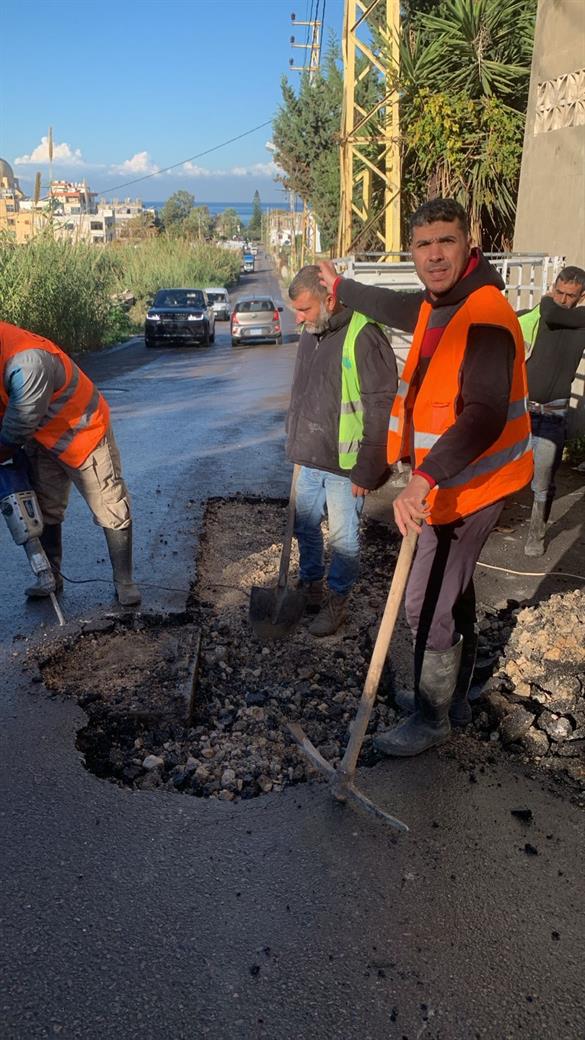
{"points": [[170, 262], [66, 291], [59, 289]]}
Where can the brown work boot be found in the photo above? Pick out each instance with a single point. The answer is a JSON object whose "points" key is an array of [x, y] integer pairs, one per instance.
{"points": [[331, 616], [313, 592]]}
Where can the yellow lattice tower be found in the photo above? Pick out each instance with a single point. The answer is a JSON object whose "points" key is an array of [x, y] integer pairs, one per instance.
{"points": [[369, 149]]}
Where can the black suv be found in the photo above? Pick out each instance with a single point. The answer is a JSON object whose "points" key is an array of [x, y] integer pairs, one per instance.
{"points": [[181, 316]]}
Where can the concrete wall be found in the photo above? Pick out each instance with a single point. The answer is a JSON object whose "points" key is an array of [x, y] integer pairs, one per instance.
{"points": [[551, 200]]}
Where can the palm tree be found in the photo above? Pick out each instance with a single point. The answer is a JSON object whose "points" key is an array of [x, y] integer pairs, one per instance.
{"points": [[463, 79]]}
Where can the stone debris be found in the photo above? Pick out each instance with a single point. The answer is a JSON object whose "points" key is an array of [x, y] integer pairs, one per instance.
{"points": [[528, 698], [534, 701]]}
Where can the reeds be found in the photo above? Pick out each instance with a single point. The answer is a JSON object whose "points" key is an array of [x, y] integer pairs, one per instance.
{"points": [[66, 291]]}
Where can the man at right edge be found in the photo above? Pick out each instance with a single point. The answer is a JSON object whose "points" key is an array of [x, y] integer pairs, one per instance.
{"points": [[460, 416]]}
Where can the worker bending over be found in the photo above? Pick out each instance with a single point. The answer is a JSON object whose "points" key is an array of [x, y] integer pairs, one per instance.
{"points": [[51, 408]]}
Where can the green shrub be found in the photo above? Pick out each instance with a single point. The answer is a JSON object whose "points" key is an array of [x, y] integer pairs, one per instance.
{"points": [[164, 262], [61, 290], [67, 291]]}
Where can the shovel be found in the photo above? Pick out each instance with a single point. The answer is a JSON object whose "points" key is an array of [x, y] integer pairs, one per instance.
{"points": [[275, 613], [341, 779]]}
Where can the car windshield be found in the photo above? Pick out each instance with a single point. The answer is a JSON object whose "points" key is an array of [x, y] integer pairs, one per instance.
{"points": [[247, 306], [216, 297], [179, 298]]}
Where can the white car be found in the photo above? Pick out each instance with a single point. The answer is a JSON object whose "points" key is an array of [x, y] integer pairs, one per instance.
{"points": [[219, 299]]}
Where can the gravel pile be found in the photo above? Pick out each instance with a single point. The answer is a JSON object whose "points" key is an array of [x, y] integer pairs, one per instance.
{"points": [[534, 701]]}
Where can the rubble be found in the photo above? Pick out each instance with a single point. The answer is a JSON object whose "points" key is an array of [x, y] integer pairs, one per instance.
{"points": [[529, 697], [534, 701]]}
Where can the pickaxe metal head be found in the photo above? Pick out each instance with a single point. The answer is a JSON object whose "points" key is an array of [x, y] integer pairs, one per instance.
{"points": [[341, 782], [341, 779]]}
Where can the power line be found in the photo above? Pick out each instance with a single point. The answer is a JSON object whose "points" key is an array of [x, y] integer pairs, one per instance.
{"points": [[215, 148]]}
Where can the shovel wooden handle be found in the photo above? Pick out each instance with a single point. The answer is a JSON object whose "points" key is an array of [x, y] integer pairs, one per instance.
{"points": [[289, 529], [395, 594]]}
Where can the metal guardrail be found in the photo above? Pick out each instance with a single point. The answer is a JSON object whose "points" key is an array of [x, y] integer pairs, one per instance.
{"points": [[527, 276]]}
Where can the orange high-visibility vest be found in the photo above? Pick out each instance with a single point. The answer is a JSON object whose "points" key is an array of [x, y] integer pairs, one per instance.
{"points": [[422, 417], [78, 416]]}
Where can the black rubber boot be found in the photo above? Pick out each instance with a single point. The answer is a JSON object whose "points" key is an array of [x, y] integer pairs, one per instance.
{"points": [[535, 541], [460, 711], [331, 616], [313, 591], [430, 724], [120, 550], [51, 542]]}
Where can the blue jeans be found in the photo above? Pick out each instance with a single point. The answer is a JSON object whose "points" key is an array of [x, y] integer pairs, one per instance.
{"points": [[316, 489], [549, 433]]}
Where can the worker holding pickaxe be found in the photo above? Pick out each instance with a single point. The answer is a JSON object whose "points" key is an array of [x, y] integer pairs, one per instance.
{"points": [[460, 416]]}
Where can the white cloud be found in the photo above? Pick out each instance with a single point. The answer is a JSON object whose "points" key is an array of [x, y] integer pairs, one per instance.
{"points": [[139, 163], [268, 169], [192, 170], [259, 169], [270, 146], [62, 153]]}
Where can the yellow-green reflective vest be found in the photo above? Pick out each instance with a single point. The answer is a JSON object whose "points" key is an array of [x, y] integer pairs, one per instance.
{"points": [[351, 418]]}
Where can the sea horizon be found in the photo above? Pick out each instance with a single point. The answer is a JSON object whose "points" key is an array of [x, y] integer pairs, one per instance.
{"points": [[243, 209]]}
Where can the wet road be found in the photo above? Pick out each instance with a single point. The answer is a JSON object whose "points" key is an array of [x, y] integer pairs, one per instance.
{"points": [[287, 917]]}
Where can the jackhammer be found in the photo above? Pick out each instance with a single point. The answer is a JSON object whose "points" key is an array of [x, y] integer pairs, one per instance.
{"points": [[20, 508]]}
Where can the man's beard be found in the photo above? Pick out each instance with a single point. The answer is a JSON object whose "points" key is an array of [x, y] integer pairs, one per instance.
{"points": [[322, 322]]}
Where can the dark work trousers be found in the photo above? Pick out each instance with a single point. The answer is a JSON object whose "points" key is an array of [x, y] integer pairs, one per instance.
{"points": [[549, 433], [440, 597]]}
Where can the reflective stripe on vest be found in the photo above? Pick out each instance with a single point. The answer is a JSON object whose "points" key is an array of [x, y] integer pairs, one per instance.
{"points": [[351, 416], [77, 417], [428, 440], [421, 417]]}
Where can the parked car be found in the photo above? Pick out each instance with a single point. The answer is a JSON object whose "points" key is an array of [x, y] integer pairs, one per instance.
{"points": [[256, 319], [181, 316], [220, 302]]}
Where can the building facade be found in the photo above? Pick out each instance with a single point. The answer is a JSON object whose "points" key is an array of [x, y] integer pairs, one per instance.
{"points": [[551, 199]]}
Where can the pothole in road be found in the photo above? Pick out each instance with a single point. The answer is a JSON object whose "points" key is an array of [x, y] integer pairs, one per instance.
{"points": [[133, 676]]}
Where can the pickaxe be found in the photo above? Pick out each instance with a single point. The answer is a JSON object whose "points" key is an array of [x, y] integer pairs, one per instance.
{"points": [[341, 779]]}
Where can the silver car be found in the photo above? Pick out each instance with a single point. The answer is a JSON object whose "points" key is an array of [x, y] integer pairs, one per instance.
{"points": [[256, 319]]}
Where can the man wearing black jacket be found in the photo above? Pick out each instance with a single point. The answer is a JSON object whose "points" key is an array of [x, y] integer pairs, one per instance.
{"points": [[343, 387], [554, 334], [468, 428]]}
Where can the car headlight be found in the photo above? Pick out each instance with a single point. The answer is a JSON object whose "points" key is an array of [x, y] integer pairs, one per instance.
{"points": [[153, 317], [195, 317]]}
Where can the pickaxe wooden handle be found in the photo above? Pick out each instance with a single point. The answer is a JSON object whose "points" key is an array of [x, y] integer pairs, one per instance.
{"points": [[346, 768]]}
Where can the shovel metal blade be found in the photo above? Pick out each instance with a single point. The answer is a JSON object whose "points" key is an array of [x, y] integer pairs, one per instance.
{"points": [[275, 613]]}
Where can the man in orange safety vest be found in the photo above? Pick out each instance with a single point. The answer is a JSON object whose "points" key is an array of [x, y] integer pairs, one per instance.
{"points": [[460, 416]]}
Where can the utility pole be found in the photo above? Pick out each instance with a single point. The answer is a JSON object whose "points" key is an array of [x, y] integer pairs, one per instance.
{"points": [[311, 65], [51, 204], [369, 149], [312, 47]]}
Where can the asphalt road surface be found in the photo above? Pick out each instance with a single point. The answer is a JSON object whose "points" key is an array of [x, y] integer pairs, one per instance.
{"points": [[288, 917]]}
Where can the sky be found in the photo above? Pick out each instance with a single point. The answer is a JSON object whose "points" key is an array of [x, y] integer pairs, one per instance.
{"points": [[131, 87]]}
